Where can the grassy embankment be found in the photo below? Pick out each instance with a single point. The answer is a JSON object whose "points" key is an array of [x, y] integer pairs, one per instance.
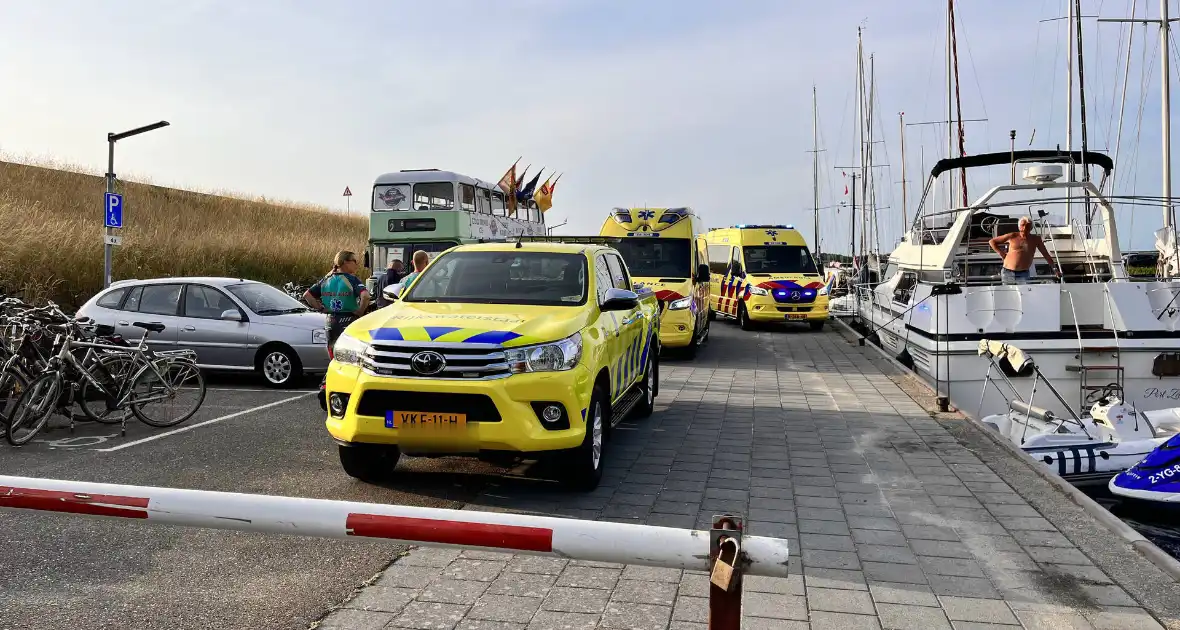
{"points": [[51, 222]]}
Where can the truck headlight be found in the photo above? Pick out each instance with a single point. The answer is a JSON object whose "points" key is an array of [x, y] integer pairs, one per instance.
{"points": [[547, 357], [759, 291], [319, 335], [349, 350], [681, 304]]}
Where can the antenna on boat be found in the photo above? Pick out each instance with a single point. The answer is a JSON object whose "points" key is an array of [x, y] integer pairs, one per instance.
{"points": [[1012, 153]]}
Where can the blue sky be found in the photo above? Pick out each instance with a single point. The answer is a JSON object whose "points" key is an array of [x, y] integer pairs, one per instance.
{"points": [[696, 103]]}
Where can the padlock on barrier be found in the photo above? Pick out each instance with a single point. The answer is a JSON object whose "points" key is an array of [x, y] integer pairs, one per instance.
{"points": [[722, 575]]}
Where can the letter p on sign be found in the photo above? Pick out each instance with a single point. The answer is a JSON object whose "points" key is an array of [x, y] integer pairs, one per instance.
{"points": [[114, 210]]}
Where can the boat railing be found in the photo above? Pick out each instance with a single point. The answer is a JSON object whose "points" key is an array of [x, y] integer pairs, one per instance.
{"points": [[1027, 406]]}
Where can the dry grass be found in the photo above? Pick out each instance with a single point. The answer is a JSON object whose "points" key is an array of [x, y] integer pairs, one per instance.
{"points": [[51, 219]]}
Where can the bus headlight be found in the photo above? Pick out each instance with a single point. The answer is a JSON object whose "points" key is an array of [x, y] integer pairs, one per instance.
{"points": [[681, 304], [547, 357], [349, 350]]}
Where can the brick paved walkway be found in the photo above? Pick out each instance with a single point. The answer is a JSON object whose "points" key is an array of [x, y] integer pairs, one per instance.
{"points": [[893, 523]]}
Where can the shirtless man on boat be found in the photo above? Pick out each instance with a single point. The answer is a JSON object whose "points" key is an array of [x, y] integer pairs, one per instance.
{"points": [[1022, 248]]}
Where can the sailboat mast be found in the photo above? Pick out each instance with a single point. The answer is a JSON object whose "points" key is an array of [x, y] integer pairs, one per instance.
{"points": [[815, 172], [875, 236], [901, 133], [1069, 52], [950, 109], [1166, 113], [860, 127]]}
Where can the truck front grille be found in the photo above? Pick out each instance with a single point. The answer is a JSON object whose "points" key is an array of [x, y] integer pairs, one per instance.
{"points": [[463, 361]]}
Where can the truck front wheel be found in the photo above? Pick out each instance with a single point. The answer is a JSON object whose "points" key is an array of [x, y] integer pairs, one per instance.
{"points": [[583, 467], [370, 463]]}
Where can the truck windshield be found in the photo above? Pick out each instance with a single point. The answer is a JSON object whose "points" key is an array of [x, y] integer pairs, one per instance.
{"points": [[508, 277], [779, 259], [656, 257]]}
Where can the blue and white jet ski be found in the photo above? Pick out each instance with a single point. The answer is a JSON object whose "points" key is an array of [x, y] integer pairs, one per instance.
{"points": [[1155, 478]]}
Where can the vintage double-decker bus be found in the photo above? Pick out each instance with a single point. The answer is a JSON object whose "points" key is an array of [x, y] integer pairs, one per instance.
{"points": [[433, 210]]}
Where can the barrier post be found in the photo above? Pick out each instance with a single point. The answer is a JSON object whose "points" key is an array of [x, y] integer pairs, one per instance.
{"points": [[725, 602]]}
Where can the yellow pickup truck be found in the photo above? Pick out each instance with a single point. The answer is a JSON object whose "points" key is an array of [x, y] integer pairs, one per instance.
{"points": [[501, 351]]}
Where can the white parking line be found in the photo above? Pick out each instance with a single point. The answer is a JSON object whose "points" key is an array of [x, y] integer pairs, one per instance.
{"points": [[267, 391], [201, 424]]}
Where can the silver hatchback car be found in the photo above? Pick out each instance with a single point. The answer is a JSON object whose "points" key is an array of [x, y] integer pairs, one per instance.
{"points": [[232, 324]]}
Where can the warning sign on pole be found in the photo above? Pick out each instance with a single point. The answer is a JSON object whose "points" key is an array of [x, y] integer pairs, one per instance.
{"points": [[347, 192]]}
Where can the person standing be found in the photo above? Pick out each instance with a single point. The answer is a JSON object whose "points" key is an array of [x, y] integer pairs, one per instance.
{"points": [[1022, 247], [393, 275], [340, 295], [421, 259]]}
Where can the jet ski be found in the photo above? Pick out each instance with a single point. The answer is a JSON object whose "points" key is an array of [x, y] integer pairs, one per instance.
{"points": [[1155, 479]]}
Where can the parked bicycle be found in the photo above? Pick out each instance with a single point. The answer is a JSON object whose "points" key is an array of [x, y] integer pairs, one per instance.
{"points": [[108, 382]]}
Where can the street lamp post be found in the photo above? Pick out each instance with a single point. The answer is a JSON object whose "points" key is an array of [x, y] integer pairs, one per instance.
{"points": [[550, 229], [112, 138]]}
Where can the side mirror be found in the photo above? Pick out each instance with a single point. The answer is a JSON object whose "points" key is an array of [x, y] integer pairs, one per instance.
{"points": [[702, 272], [392, 292], [231, 315], [619, 300]]}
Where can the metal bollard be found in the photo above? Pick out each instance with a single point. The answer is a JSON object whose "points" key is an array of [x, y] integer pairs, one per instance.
{"points": [[725, 580]]}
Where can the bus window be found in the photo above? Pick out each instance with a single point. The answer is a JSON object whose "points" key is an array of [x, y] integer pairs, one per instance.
{"points": [[483, 202], [498, 207], [468, 197], [391, 197], [434, 196]]}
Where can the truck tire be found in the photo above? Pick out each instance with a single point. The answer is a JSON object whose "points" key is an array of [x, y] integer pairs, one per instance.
{"points": [[370, 463], [817, 326], [583, 464], [744, 318], [649, 386]]}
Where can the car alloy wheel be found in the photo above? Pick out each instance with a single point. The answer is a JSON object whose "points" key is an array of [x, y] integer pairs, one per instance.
{"points": [[277, 368]]}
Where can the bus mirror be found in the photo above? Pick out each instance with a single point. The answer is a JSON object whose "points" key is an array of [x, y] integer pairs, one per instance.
{"points": [[703, 273]]}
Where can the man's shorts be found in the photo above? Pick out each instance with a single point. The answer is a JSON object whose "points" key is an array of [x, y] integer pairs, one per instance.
{"points": [[1008, 276]]}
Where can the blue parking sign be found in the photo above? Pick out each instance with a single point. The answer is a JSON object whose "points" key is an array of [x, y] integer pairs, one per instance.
{"points": [[113, 202]]}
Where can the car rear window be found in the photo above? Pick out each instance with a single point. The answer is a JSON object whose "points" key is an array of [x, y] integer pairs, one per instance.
{"points": [[112, 299]]}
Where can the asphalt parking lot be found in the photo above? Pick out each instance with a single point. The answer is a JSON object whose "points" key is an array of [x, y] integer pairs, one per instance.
{"points": [[63, 571]]}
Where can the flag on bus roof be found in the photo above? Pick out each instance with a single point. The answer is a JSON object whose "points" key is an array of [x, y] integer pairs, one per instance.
{"points": [[526, 194], [508, 185], [520, 180], [544, 196]]}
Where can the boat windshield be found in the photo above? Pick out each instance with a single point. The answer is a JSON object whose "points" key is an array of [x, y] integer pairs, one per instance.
{"points": [[779, 259]]}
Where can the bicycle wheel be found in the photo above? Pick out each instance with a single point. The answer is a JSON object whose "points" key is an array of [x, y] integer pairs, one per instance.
{"points": [[94, 403], [12, 384], [169, 401], [33, 408]]}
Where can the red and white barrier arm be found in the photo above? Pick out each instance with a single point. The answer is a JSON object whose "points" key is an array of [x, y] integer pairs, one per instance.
{"points": [[493, 531]]}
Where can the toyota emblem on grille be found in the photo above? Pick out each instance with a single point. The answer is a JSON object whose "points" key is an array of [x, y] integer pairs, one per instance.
{"points": [[794, 295], [427, 362]]}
